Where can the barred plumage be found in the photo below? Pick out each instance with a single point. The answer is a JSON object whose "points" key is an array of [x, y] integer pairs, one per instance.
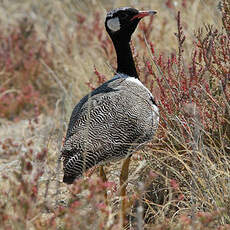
{"points": [[110, 122]]}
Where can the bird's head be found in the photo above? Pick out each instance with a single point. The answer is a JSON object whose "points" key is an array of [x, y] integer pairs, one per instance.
{"points": [[120, 23]]}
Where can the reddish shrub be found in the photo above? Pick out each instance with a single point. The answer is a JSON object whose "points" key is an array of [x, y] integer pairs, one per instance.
{"points": [[23, 81]]}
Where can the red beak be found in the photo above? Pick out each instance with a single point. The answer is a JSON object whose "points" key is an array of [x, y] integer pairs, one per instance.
{"points": [[142, 14]]}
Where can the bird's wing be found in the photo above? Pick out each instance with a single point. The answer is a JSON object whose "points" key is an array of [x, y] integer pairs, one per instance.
{"points": [[90, 124], [90, 102], [110, 118]]}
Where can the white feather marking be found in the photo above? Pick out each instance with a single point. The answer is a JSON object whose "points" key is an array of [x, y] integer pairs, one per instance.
{"points": [[114, 24], [156, 112], [135, 80], [155, 108]]}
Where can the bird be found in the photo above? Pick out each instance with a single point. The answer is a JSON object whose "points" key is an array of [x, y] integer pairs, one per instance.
{"points": [[113, 120]]}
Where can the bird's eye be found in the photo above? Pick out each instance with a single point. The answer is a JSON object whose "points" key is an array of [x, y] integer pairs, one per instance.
{"points": [[123, 15]]}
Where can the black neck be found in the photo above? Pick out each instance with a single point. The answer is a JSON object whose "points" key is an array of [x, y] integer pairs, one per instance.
{"points": [[125, 62]]}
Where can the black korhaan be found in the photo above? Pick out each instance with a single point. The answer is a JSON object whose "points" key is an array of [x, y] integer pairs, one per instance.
{"points": [[113, 120]]}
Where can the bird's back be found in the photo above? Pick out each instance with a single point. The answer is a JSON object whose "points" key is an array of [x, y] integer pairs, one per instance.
{"points": [[108, 124]]}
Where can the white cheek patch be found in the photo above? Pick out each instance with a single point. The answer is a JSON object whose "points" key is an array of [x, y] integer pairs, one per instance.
{"points": [[114, 24]]}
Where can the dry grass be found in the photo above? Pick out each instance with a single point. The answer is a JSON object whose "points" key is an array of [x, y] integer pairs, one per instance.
{"points": [[52, 53]]}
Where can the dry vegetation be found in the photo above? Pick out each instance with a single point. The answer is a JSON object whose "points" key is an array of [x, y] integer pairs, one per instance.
{"points": [[52, 53]]}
